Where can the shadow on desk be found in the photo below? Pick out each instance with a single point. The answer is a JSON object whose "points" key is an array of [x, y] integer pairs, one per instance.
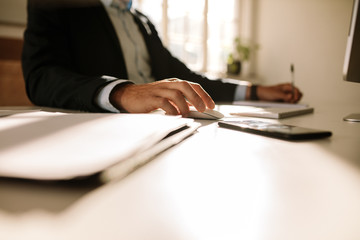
{"points": [[18, 196]]}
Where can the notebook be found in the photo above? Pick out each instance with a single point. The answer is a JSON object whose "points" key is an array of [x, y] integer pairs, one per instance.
{"points": [[59, 146], [268, 109]]}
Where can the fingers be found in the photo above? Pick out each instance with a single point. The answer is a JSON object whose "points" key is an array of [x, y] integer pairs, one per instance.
{"points": [[172, 95], [193, 93], [166, 105], [187, 92], [291, 93], [209, 102], [298, 95]]}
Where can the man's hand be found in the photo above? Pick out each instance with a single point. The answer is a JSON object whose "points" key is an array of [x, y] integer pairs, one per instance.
{"points": [[171, 95], [280, 93]]}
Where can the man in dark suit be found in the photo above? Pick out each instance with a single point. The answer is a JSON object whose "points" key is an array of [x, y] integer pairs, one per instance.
{"points": [[101, 55]]}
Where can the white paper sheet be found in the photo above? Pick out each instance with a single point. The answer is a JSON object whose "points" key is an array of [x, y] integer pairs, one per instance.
{"points": [[54, 146]]}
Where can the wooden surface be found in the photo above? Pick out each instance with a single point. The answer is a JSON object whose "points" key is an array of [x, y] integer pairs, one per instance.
{"points": [[12, 85]]}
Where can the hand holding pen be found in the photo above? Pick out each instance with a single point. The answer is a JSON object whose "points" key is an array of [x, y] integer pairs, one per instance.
{"points": [[284, 92]]}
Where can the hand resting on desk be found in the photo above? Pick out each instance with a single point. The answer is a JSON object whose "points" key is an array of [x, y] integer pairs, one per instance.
{"points": [[171, 95]]}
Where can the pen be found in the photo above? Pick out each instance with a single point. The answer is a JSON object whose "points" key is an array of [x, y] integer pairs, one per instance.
{"points": [[292, 70]]}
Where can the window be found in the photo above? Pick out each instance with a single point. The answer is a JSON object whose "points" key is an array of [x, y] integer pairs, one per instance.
{"points": [[200, 33]]}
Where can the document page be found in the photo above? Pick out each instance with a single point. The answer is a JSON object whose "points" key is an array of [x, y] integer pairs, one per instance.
{"points": [[55, 146]]}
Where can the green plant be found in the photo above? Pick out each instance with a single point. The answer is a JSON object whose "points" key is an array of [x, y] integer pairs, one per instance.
{"points": [[240, 54], [242, 50]]}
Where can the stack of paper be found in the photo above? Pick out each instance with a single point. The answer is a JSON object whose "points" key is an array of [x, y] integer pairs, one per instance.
{"points": [[58, 146]]}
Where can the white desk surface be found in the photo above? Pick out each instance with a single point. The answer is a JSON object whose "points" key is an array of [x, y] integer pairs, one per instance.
{"points": [[217, 184]]}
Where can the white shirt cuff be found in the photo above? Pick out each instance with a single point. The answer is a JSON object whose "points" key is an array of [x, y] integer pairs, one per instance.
{"points": [[102, 99]]}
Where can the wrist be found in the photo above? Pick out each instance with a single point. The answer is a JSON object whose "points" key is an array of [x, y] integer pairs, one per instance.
{"points": [[253, 92], [117, 93]]}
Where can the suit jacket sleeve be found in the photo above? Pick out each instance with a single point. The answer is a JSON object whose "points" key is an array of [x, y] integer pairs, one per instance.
{"points": [[49, 71]]}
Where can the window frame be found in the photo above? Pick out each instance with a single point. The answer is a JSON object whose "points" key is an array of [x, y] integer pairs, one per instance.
{"points": [[245, 12]]}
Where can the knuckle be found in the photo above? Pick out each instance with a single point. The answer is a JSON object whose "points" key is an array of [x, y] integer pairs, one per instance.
{"points": [[162, 101], [196, 84], [178, 94], [184, 84]]}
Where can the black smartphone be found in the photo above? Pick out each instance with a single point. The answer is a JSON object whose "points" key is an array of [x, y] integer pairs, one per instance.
{"points": [[282, 131]]}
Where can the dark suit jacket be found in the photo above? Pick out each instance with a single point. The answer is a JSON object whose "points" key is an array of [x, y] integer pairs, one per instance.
{"points": [[68, 48]]}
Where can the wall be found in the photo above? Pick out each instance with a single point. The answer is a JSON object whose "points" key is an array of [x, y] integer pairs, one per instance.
{"points": [[312, 34], [12, 18], [13, 11]]}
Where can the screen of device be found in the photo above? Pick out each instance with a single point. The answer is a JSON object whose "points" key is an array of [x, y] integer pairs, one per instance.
{"points": [[351, 70]]}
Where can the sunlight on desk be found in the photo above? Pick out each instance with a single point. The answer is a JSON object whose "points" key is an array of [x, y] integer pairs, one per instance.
{"points": [[217, 184]]}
